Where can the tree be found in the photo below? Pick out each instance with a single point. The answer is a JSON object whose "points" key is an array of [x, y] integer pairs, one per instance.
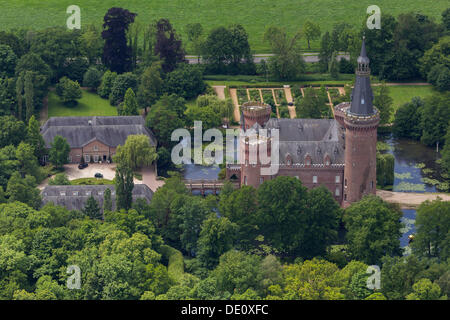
{"points": [[439, 76], [59, 151], [310, 106], [8, 103], [69, 91], [217, 236], [433, 226], [325, 52], [91, 209], [437, 55], [186, 81], [322, 219], [333, 66], [379, 42], [60, 179], [92, 78], [122, 83], [194, 32], [282, 211], [424, 289], [116, 53], [107, 83], [311, 31], [446, 19], [129, 106], [312, 280], [34, 137], [163, 120], [168, 45], [287, 63], [373, 229], [240, 207], [136, 152], [23, 190], [8, 61], [29, 95], [237, 271], [383, 102], [59, 48], [150, 86], [446, 151], [434, 120], [27, 162], [33, 62], [13, 131], [124, 187], [407, 120], [91, 44], [192, 214], [107, 202]]}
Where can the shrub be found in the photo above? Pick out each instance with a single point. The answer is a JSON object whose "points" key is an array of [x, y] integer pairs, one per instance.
{"points": [[69, 91], [92, 78]]}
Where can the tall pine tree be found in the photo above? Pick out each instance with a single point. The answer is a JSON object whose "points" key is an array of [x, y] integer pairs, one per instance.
{"points": [[124, 187]]}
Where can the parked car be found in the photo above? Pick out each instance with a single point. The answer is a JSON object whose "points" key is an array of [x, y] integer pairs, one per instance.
{"points": [[82, 166], [98, 175]]}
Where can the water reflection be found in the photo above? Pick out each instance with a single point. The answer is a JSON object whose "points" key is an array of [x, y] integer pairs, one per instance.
{"points": [[411, 158]]}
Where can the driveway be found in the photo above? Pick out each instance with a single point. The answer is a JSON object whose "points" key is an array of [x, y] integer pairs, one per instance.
{"points": [[108, 171]]}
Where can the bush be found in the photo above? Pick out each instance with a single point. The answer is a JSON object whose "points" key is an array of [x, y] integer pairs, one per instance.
{"points": [[69, 91], [122, 83], [106, 84], [92, 78], [174, 260], [345, 66], [59, 180]]}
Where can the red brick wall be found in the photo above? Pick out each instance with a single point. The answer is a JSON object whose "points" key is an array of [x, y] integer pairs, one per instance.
{"points": [[360, 161]]}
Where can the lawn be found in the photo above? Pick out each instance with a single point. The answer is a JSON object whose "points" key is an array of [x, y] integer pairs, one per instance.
{"points": [[404, 94], [254, 15], [89, 105]]}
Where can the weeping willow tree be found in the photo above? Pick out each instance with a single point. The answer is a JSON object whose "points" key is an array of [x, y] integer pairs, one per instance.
{"points": [[385, 169]]}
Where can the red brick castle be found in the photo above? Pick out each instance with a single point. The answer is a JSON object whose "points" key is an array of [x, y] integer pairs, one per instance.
{"points": [[338, 153]]}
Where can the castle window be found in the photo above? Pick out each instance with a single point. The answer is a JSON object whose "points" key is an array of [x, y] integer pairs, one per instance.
{"points": [[245, 180], [337, 192], [297, 177], [345, 183], [289, 162], [314, 179], [338, 179], [95, 148], [345, 197], [261, 180], [371, 184], [62, 193]]}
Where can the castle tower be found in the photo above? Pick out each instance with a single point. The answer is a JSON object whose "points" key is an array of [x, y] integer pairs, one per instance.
{"points": [[361, 120], [254, 115]]}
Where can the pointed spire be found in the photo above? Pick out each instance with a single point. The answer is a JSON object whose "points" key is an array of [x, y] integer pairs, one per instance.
{"points": [[362, 96], [363, 48]]}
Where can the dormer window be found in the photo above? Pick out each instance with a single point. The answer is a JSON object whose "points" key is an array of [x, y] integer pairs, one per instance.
{"points": [[308, 160], [327, 160], [362, 100]]}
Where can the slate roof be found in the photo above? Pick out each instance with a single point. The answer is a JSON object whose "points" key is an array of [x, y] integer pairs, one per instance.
{"points": [[316, 137], [75, 197], [362, 96], [79, 131]]}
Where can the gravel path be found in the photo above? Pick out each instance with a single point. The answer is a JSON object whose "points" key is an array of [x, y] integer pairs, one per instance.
{"points": [[410, 199]]}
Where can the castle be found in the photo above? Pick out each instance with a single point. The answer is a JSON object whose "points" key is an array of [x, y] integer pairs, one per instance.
{"points": [[338, 153]]}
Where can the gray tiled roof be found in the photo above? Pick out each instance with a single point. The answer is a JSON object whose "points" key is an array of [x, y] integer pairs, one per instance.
{"points": [[75, 197], [79, 131], [316, 137]]}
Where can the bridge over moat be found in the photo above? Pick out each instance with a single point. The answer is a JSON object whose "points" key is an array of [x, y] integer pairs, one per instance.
{"points": [[205, 187]]}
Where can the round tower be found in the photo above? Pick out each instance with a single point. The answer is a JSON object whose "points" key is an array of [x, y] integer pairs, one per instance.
{"points": [[361, 121], [255, 112], [251, 143]]}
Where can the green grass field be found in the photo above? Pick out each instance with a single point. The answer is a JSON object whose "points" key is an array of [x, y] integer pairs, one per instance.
{"points": [[89, 105], [404, 94], [254, 15]]}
